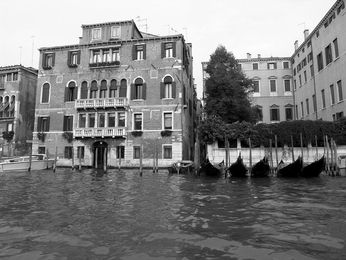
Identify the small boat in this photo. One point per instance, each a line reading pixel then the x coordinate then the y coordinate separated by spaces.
pixel 211 169
pixel 261 169
pixel 22 163
pixel 238 169
pixel 290 170
pixel 314 169
pixel 184 166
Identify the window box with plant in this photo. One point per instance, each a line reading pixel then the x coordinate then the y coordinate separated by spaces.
pixel 41 136
pixel 137 133
pixel 68 136
pixel 166 133
pixel 8 136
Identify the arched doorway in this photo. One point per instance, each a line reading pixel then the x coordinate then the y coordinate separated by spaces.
pixel 100 154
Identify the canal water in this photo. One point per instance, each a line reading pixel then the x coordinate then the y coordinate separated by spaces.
pixel 122 215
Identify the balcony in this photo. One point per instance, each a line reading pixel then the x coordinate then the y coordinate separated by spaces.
pixel 99 132
pixel 101 103
pixel 96 65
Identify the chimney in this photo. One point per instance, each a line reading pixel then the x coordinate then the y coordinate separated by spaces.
pixel 306 34
pixel 248 56
pixel 259 56
pixel 296 45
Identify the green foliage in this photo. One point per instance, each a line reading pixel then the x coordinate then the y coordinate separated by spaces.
pixel 214 129
pixel 137 133
pixel 166 133
pixel 8 136
pixel 41 136
pixel 227 89
pixel 68 136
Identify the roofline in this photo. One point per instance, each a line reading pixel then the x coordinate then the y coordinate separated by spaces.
pixel 119 42
pixel 14 67
pixel 106 23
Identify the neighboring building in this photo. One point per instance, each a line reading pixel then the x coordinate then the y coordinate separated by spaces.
pixel 125 97
pixel 17 107
pixel 319 68
pixel 272 86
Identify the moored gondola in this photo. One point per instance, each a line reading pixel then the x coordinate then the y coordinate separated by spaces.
pixel 292 169
pixel 314 169
pixel 238 169
pixel 261 168
pixel 210 169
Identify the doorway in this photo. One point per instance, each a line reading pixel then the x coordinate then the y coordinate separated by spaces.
pixel 100 154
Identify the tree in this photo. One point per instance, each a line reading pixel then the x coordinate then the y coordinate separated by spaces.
pixel 227 89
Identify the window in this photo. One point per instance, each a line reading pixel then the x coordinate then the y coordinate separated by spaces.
pixel 305 76
pixel 255 66
pixel 307 107
pixel 96 34
pixel 68 123
pixel 272 85
pixel 68 153
pixel 274 113
pixel 80 152
pixel 340 90
pixel 121 119
pixel 339 115
pixel 115 32
pixel 287 83
pixel 328 53
pixel 15 76
pixel 302 108
pixel 106 56
pixel 73 58
pixel 310 57
pixel 136 152
pixel 139 52
pixel 45 93
pixel 43 124
pixel 123 88
pixel 323 99
pixel 336 48
pixel 42 150
pixel 256 86
pixel 137 118
pixel 111 119
pixel 93 89
pixel 95 56
pixel 300 80
pixel 259 113
pixel 286 65
pixel 332 95
pixel 289 113
pixel 48 60
pixel 314 102
pixel 103 89
pixel 84 90
pixel 113 89
pixel 295 84
pixel 168 50
pixel 239 66
pixel 138 90
pixel 320 61
pixel 120 152
pixel 91 120
pixel 167 152
pixel 82 120
pixel 312 70
pixel 101 120
pixel 167 88
pixel 71 92
pixel 271 65
pixel 115 55
pixel 168 121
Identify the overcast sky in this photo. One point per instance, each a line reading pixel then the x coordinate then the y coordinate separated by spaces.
pixel 266 27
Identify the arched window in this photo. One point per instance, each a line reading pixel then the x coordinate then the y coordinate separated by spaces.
pixel 93 89
pixel 113 88
pixel 103 89
pixel 71 92
pixel 45 93
pixel 167 88
pixel 123 88
pixel 138 90
pixel 84 90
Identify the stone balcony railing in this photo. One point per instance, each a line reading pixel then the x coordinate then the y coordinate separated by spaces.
pixel 99 132
pixel 101 103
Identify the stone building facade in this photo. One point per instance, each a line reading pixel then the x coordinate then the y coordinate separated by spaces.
pixel 116 97
pixel 17 108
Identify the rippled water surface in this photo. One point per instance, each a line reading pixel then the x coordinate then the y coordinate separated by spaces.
pixel 122 215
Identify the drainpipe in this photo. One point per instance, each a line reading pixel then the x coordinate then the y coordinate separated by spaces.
pixel 182 96
pixel 314 102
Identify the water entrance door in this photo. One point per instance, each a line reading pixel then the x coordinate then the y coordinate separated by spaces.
pixel 100 154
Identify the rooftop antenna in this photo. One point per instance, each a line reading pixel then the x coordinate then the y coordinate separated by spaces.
pixel 176 32
pixel 139 20
pixel 32 52
pixel 20 56
pixel 168 28
pixel 185 32
pixel 304 25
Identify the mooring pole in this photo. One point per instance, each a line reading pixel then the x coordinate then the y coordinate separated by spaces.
pixel 80 158
pixel 30 158
pixel 276 151
pixel 250 159
pixel 271 155
pixel 292 145
pixel 301 145
pixel 140 161
pixel 55 158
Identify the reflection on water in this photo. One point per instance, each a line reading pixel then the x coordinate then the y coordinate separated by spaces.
pixel 122 215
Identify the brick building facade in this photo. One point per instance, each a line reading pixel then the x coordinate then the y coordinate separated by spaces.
pixel 116 96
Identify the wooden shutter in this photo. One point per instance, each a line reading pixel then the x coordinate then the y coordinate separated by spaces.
pixel 64 126
pixel 39 123
pixel 163 50
pixel 174 49
pixel 48 121
pixel 133 91
pixel 174 90
pixel 162 90
pixel 53 59
pixel 43 60
pixel 75 91
pixel 134 52
pixel 144 51
pixel 66 94
pixel 144 91
pixel 68 58
pixel 78 56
